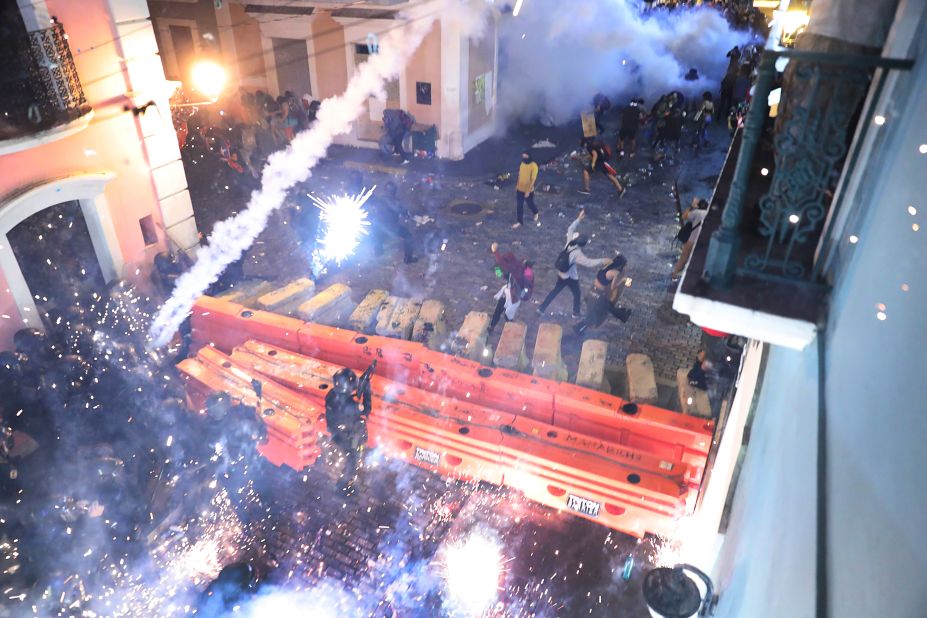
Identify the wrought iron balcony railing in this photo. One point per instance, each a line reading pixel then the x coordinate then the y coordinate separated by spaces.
pixel 39 86
pixel 782 186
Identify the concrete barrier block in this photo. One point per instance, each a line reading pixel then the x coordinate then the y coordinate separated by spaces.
pixel 510 351
pixel 693 401
pixel 385 314
pixel 331 306
pixel 246 292
pixel 364 317
pixel 431 325
pixel 470 341
pixel 546 360
pixel 288 298
pixel 402 320
pixel 642 381
pixel 591 371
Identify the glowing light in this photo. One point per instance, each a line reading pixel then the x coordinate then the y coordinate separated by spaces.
pixel 764 172
pixel 912 210
pixel 792 21
pixel 915 227
pixel 473 569
pixel 881 315
pixel 922 149
pixel 209 78
pixel 854 239
pixel 905 287
pixel 793 218
pixel 879 120
pixel 517 8
pixel 344 221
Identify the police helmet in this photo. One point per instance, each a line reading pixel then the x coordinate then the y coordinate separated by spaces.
pixel 344 381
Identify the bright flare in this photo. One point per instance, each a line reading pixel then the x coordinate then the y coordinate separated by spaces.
pixel 473 568
pixel 208 78
pixel 344 221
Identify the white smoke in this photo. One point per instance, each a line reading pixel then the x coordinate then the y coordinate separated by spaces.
pixel 232 237
pixel 557 55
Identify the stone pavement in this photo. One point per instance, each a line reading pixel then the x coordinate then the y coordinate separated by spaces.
pixel 458 218
pixel 383 546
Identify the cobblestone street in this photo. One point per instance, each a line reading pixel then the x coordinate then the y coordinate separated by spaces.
pixel 465 213
pixel 372 546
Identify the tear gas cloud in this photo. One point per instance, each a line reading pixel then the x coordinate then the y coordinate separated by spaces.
pixel 555 56
pixel 232 237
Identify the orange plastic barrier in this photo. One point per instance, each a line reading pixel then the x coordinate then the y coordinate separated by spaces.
pixel 632 467
pixel 565 405
pixel 638 490
pixel 289 418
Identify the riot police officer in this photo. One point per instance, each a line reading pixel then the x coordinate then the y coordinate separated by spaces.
pixel 347 407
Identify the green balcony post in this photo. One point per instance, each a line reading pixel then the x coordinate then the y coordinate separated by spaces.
pixel 724 246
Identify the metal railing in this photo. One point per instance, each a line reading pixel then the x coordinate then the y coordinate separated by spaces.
pixel 818 110
pixel 39 85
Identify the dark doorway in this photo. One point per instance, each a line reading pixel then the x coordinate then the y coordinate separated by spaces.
pixel 291 57
pixel 184 50
pixel 56 256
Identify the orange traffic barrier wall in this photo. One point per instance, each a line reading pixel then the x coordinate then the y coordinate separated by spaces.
pixel 562 445
pixel 561 404
pixel 460 439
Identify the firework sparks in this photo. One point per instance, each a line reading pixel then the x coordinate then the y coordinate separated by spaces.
pixel 344 221
pixel 473 569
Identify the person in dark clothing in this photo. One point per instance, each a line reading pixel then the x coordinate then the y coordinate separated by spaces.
pixel 519 276
pixel 673 131
pixel 347 407
pixel 598 162
pixel 727 94
pixel 389 222
pixel 609 283
pixel 396 125
pixel 698 375
pixel 601 105
pixel 631 118
pixel 733 59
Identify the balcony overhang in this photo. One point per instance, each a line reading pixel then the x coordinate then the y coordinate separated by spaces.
pixel 55 133
pixel 776 311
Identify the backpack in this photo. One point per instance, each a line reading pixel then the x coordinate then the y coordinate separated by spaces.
pixel 686 232
pixel 562 263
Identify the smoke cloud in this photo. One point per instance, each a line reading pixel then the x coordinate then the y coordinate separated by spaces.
pixel 557 55
pixel 232 237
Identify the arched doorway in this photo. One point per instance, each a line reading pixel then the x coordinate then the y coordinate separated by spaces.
pixel 81 191
pixel 55 254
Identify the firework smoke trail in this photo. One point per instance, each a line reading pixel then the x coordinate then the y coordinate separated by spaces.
pixel 232 237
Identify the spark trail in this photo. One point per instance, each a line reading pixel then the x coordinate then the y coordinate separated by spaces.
pixel 232 237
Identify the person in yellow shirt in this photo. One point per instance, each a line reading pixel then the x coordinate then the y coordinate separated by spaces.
pixel 524 190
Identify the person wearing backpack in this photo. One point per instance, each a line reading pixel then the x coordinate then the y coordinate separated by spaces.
pixel 599 154
pixel 566 262
pixel 692 220
pixel 519 283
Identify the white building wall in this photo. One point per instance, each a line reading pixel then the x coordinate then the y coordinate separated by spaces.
pixel 876 351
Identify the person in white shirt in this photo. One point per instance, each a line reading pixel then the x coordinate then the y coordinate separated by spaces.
pixel 694 216
pixel 567 273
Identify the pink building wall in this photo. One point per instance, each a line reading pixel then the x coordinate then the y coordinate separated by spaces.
pixel 142 152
